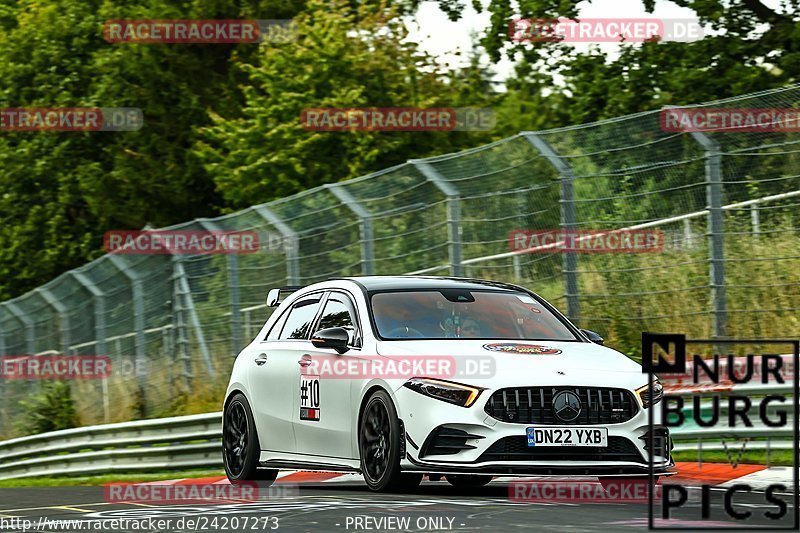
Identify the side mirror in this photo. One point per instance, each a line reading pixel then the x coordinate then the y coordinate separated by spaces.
pixel 272 297
pixel 335 338
pixel 592 336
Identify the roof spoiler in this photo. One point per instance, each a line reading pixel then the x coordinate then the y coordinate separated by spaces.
pixel 274 295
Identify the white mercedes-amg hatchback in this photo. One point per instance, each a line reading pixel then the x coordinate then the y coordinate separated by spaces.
pixel 396 377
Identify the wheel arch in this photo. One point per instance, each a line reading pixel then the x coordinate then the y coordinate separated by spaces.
pixel 231 393
pixel 368 392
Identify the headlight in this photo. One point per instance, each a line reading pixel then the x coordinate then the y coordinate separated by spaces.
pixel 447 391
pixel 644 394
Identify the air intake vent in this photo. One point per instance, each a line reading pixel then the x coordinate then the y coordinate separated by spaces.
pixel 662 443
pixel 447 441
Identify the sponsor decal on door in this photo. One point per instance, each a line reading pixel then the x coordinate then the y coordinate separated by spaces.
pixel 309 398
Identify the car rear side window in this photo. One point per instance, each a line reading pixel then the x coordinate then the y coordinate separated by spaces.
pixel 300 318
pixel 277 327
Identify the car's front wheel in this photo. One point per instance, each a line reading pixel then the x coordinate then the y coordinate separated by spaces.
pixel 240 447
pixel 379 446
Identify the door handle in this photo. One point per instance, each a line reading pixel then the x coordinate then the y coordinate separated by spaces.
pixel 304 361
pixel 261 359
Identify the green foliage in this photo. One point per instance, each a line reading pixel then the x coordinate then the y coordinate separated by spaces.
pixel 50 410
pixel 222 128
pixel 59 192
pixel 342 59
pixel 751 47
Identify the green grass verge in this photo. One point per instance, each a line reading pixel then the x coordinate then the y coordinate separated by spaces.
pixel 754 457
pixel 64 481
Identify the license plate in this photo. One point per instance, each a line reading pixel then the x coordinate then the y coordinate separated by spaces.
pixel 567 436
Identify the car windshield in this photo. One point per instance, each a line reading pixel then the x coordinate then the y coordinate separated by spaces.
pixel 464 314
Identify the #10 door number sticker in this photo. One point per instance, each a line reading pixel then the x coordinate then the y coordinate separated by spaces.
pixel 309 398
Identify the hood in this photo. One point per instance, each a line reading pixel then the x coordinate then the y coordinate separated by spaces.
pixel 528 363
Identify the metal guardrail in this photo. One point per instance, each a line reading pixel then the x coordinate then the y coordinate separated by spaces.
pixel 194 442
pixel 178 442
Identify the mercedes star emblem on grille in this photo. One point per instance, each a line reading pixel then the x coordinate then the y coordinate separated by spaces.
pixel 566 406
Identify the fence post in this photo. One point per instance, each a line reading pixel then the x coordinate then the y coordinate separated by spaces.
pixel 186 302
pixel 233 288
pixel 236 304
pixel 27 323
pixel 181 337
pixel 367 237
pixel 755 220
pixel 63 316
pixel 99 301
pixel 453 211
pixel 568 223
pixel 516 260
pixel 137 295
pixel 99 310
pixel 716 238
pixel 688 237
pixel 291 243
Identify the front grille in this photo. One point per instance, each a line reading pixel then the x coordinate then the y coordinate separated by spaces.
pixel 534 405
pixel 515 448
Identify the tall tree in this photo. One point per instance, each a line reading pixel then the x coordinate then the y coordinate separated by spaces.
pixel 59 192
pixel 751 47
pixel 343 59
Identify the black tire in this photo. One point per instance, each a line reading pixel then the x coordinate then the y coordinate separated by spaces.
pixel 468 480
pixel 240 446
pixel 379 447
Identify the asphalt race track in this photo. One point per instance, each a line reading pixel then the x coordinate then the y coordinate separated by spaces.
pixel 348 506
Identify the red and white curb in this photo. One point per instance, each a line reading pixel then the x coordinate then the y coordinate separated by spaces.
pixel 762 479
pixel 757 476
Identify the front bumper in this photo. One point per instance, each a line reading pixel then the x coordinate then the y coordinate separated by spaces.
pixel 491 446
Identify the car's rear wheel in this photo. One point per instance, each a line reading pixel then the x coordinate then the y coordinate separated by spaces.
pixel 379 446
pixel 240 447
pixel 468 480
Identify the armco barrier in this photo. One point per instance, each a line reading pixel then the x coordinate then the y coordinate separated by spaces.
pixel 165 443
pixel 194 441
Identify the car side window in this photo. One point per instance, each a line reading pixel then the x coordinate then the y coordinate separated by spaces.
pixel 339 313
pixel 277 327
pixel 300 318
